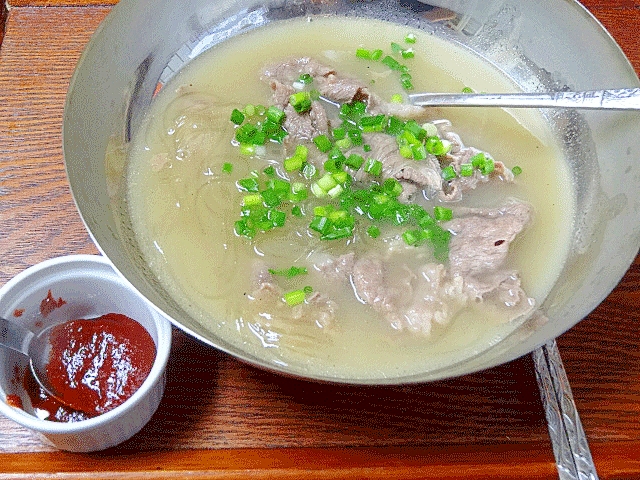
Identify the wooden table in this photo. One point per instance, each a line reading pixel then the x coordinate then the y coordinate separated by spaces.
pixel 222 419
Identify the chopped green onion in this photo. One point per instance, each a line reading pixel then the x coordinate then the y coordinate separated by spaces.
pixel 269 171
pixel 289 272
pixel 366 147
pixel 516 170
pixel 341 177
pixel 410 38
pixel 478 160
pixel 396 98
pixel 301 101
pixel 227 167
pixel 373 231
pixel 249 110
pixel 448 173
pixel 332 165
pixel 248 185
pixel 327 182
pixel 275 114
pixel 270 198
pixel 307 289
pixel 375 123
pixel 466 170
pixel 252 200
pixel 412 237
pixel 339 133
pixel 344 143
pixel 372 166
pixel 295 297
pixel 309 171
pixel 363 53
pixel 296 211
pixel 296 161
pixel 467 90
pixel 305 78
pixel 408 53
pixel 392 187
pixel 430 129
pixel 320 224
pixel 355 135
pixel 392 63
pixel 237 116
pixel 395 126
pixel 395 48
pixel 323 143
pixel 442 214
pixel 376 54
pixel 488 167
pixel 354 161
pixel 298 192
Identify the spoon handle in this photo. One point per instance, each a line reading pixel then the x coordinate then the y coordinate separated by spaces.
pixel 620 99
pixel 14 336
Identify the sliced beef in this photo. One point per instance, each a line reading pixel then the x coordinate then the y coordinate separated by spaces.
pixel 481 237
pixel 431 296
pixel 289 71
pixel 413 175
pixel 334 268
pixel 368 279
pixel 476 273
pixel 452 191
pixel 306 126
pixel 266 296
pixel 438 297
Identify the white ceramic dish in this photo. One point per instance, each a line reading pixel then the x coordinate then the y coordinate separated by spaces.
pixel 90 287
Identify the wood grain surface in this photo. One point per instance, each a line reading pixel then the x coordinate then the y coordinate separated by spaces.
pixel 223 419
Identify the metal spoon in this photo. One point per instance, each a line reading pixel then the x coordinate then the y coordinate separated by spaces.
pixel 36 347
pixel 620 99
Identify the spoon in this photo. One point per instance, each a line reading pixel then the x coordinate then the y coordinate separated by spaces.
pixel 36 347
pixel 620 99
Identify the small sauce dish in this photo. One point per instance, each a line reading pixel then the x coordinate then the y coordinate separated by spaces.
pixel 72 288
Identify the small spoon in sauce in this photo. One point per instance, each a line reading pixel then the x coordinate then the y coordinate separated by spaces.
pixel 620 99
pixel 89 365
pixel 36 347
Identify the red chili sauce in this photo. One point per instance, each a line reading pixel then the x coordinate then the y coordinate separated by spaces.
pixel 49 304
pixel 94 366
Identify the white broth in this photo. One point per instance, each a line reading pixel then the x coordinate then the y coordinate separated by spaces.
pixel 183 205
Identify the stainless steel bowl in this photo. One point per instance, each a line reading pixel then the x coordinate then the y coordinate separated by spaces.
pixel 543 45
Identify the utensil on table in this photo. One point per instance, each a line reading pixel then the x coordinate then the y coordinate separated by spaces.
pixel 35 346
pixel 619 99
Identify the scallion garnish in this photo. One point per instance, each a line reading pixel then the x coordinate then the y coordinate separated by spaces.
pixel 301 101
pixel 323 143
pixel 466 170
pixel 448 173
pixel 442 214
pixel 237 116
pixel 373 167
pixel 227 167
pixel 289 272
pixel 295 297
pixel 516 170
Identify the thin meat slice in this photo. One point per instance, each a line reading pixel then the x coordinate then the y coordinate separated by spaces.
pixel 481 236
pixel 424 175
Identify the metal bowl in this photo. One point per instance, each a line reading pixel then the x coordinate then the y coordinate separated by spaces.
pixel 543 45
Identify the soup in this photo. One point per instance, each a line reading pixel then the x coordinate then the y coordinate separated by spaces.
pixel 357 236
